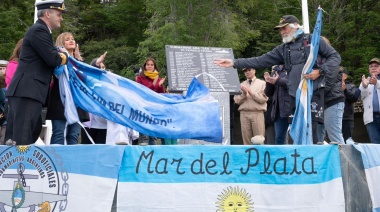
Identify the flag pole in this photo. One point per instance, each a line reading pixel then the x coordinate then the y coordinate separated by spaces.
pixel 305 17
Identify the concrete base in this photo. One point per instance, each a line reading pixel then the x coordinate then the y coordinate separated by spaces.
pixel 356 192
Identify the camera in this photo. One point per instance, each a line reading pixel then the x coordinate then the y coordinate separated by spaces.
pixel 277 68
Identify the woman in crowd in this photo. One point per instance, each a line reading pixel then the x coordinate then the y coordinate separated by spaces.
pixel 9 72
pixel 55 111
pixel 149 77
pixel 13 63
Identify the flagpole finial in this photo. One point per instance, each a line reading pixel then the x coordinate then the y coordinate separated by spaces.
pixel 320 8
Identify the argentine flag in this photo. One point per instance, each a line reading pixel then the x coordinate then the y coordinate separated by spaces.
pixel 234 178
pixel 59 178
pixel 301 128
pixel 120 100
pixel 370 155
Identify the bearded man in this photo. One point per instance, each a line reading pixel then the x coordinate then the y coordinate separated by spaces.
pixel 293 53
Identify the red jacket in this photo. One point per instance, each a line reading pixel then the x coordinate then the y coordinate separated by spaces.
pixel 149 83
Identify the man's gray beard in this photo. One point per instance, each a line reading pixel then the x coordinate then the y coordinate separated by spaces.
pixel 288 38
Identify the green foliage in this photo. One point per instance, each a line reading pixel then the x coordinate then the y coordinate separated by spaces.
pixel 13 25
pixel 132 30
pixel 192 23
pixel 118 56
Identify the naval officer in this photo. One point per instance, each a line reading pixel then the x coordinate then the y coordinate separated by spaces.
pixel 28 90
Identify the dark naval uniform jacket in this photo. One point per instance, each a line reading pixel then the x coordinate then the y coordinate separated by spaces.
pixel 38 59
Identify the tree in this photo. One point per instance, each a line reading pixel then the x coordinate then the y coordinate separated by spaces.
pixel 192 23
pixel 132 30
pixel 116 27
pixel 16 17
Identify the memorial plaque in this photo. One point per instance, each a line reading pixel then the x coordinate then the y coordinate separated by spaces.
pixel 186 62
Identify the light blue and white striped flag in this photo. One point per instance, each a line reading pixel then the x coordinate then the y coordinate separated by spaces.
pixel 370 155
pixel 301 127
pixel 235 178
pixel 120 100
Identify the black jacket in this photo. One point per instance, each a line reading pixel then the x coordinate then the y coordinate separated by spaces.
pixel 280 96
pixel 352 94
pixel 332 84
pixel 294 55
pixel 335 94
pixel 56 110
pixel 38 59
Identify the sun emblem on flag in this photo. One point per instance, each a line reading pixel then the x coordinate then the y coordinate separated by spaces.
pixel 22 149
pixel 234 199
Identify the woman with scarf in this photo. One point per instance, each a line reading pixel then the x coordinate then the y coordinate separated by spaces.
pixel 149 78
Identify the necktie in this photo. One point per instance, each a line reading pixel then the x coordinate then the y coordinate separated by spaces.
pixel 375 100
pixel 250 81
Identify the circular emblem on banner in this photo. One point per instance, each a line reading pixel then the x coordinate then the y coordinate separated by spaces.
pixel 32 177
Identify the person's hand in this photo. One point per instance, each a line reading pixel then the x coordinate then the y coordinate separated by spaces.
pixel 77 53
pixel 224 62
pixel 373 79
pixel 273 80
pixel 162 81
pixel 313 75
pixel 269 79
pixel 365 81
pixel 245 89
pixel 101 59
pixel 62 49
pixel 155 81
pixel 266 75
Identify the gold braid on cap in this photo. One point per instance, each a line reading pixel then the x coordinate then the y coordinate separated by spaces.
pixel 64 58
pixel 59 8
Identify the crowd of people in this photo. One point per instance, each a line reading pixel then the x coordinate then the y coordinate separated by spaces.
pixel 331 107
pixel 30 86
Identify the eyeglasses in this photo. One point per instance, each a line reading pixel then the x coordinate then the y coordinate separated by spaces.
pixel 374 66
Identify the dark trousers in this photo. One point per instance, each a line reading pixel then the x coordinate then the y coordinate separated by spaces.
pixel 98 135
pixel 24 121
pixel 347 129
pixel 373 129
pixel 281 126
